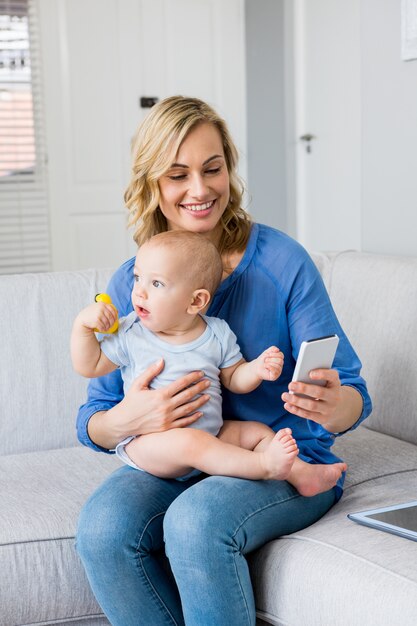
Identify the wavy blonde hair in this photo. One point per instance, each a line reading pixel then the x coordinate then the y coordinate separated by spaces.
pixel 155 146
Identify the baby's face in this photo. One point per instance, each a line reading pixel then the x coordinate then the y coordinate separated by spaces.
pixel 160 294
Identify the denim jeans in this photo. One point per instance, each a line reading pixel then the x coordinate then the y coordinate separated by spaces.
pixel 208 525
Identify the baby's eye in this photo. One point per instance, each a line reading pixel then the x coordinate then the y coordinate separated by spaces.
pixel 136 278
pixel 157 283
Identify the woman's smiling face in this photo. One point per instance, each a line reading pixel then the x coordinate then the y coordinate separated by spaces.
pixel 195 191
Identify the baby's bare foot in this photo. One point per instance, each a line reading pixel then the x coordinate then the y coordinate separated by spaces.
pixel 280 455
pixel 309 479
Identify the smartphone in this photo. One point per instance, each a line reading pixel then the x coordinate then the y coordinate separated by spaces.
pixel 315 354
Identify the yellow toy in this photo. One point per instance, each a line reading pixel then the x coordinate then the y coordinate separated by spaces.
pixel 104 297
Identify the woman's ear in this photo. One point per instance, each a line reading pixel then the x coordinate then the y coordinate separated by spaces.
pixel 199 302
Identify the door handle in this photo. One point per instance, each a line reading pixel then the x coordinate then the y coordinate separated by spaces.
pixel 308 138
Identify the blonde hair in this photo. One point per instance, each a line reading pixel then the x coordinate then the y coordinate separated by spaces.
pixel 156 143
pixel 202 263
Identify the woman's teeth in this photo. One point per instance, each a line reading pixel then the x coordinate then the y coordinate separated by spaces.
pixel 199 207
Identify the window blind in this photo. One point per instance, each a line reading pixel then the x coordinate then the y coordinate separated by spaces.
pixel 24 222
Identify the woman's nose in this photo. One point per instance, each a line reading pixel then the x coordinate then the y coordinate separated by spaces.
pixel 199 188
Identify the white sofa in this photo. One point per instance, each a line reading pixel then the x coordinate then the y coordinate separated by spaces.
pixel 334 573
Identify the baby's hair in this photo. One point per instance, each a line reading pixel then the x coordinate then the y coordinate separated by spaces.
pixel 202 262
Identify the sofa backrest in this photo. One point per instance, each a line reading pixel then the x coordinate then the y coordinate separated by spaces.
pixel 375 298
pixel 39 391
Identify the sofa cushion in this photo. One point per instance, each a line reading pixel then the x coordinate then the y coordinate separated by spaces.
pixel 346 573
pixel 370 455
pixel 375 298
pixel 42 494
pixel 36 312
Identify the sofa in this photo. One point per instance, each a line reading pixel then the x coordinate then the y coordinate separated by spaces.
pixel 334 573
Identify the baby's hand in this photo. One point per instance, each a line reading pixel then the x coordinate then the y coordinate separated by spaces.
pixel 270 364
pixel 98 316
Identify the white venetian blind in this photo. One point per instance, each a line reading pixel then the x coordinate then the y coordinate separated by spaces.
pixel 24 224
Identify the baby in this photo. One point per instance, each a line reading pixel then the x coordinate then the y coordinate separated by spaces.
pixel 175 274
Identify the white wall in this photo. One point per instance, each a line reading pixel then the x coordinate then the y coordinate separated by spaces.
pixel 327 97
pixel 389 133
pixel 99 58
pixel 382 217
pixel 265 95
pixel 356 93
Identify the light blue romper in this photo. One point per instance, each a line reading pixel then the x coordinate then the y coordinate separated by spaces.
pixel 133 348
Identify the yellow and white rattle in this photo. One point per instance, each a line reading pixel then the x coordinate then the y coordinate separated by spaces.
pixel 104 297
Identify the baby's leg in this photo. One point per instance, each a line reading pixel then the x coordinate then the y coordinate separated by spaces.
pixel 155 453
pixel 175 452
pixel 248 435
pixel 278 450
pixel 310 479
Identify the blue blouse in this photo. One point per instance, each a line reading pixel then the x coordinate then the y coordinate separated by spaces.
pixel 275 296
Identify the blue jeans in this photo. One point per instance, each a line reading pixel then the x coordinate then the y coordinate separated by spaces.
pixel 208 524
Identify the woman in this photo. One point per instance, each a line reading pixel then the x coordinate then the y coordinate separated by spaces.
pixel 184 177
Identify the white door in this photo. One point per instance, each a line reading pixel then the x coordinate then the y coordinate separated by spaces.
pixel 99 59
pixel 327 107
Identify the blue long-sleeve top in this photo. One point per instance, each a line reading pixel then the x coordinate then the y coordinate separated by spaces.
pixel 275 296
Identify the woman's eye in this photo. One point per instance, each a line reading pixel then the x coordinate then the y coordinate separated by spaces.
pixel 214 170
pixel 177 177
pixel 157 283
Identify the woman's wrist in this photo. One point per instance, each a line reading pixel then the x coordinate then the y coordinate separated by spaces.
pixel 104 428
pixel 349 411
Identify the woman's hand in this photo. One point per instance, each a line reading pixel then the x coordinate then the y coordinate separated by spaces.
pixel 334 406
pixel 144 410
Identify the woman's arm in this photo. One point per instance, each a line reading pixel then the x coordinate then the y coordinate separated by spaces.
pixel 145 410
pixel 344 402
